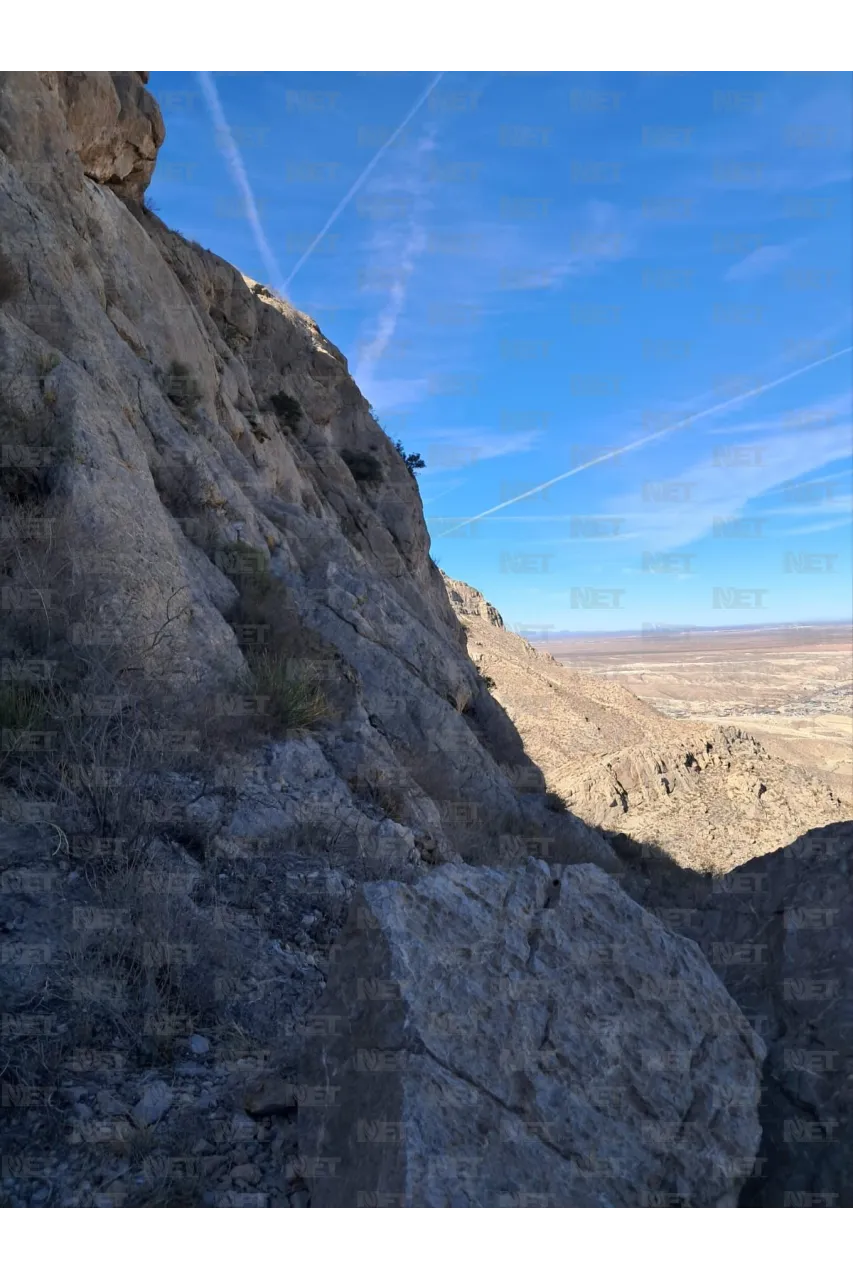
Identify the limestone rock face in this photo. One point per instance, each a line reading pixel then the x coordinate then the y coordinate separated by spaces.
pixel 468 602
pixel 164 475
pixel 509 1034
pixel 106 118
pixel 116 125
pixel 519 1038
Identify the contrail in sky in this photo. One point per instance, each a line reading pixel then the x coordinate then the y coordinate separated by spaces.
pixel 657 435
pixel 359 182
pixel 234 160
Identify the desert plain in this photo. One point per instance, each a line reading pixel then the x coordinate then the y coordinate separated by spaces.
pixel 792 687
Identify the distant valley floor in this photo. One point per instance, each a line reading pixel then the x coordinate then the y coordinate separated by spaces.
pixel 791 687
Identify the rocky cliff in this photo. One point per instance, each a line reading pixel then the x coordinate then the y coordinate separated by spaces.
pixel 209 432
pixel 247 759
pixel 233 685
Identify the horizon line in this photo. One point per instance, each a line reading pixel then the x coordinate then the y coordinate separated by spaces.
pixel 664 629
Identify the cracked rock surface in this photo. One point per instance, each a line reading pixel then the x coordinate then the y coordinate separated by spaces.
pixel 520 1038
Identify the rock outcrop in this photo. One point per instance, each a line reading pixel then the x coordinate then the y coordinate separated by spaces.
pixel 778 931
pixel 468 602
pixel 519 1038
pixel 112 125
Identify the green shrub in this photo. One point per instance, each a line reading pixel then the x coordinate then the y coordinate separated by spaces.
pixel 382 792
pixel 287 410
pixel 263 616
pixel 181 387
pixel 289 691
pixel 287 662
pixel 47 363
pixel 365 468
pixel 413 461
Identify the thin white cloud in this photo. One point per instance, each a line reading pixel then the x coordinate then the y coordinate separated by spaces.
pixel 386 323
pixel 660 435
pixel 398 261
pixel 234 160
pixel 759 263
pixel 843 474
pixel 540 518
pixel 454 448
pixel 800 421
pixel 825 500
pixel 769 137
pixel 451 488
pixel 362 178
pixel 825 483
pixel 508 267
pixel 392 394
pixel 822 526
pixel 587 538
pixel 609 234
pixel 518 260
pixel 710 492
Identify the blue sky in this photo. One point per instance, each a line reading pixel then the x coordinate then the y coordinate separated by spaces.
pixel 527 271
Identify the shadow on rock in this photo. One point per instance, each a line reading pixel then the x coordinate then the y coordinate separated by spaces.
pixel 778 931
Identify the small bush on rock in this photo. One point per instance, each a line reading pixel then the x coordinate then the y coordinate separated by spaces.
pixel 365 468
pixel 35 445
pixel 24 708
pixel 287 410
pixel 290 693
pixel 181 387
pixel 286 681
pixel 382 792
pixel 414 462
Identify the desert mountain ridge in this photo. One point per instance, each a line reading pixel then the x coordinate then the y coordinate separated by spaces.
pixel 710 796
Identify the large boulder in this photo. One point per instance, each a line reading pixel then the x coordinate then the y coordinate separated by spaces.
pixel 524 1037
